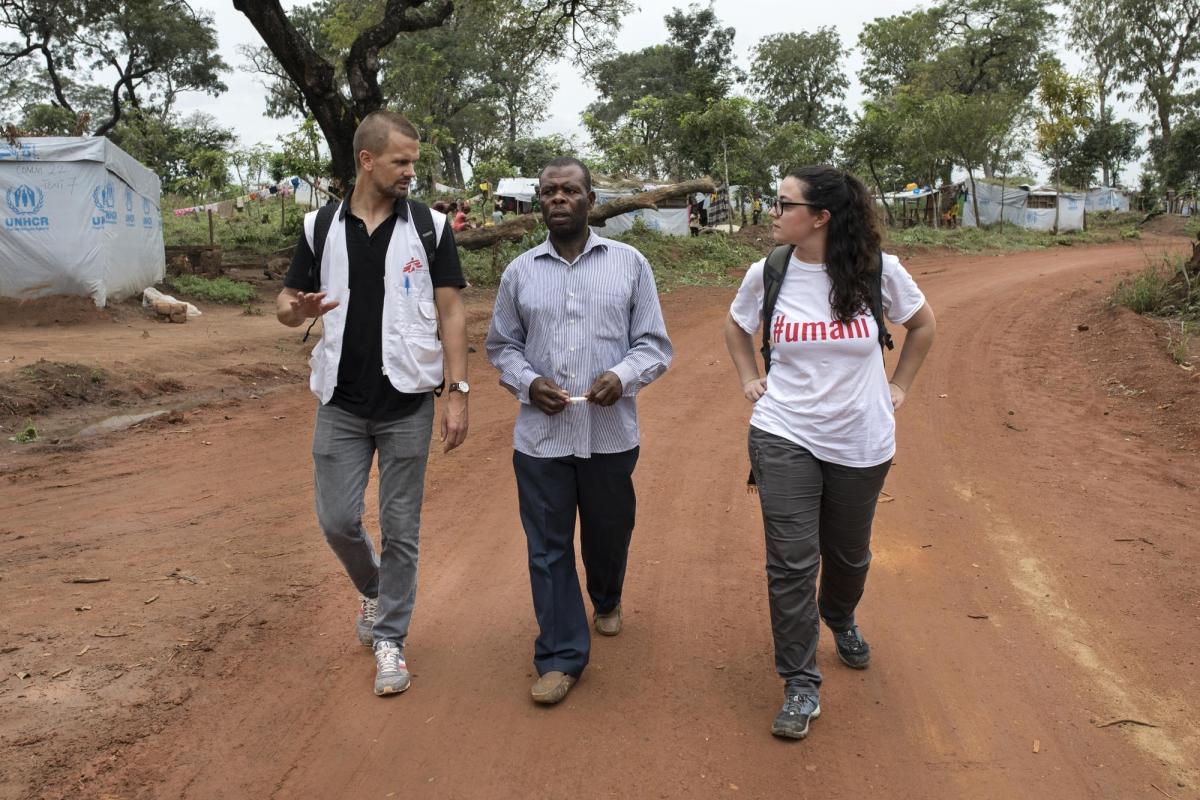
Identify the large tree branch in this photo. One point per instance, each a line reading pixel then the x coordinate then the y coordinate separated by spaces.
pixel 649 199
pixel 111 122
pixel 362 62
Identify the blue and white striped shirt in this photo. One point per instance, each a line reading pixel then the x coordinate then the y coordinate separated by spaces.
pixel 571 322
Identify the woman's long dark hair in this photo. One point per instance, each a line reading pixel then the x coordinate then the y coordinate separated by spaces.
pixel 852 241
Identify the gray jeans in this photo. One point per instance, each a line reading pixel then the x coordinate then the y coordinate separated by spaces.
pixel 344 446
pixel 816 515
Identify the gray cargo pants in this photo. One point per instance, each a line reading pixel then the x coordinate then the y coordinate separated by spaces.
pixel 816 515
pixel 344 446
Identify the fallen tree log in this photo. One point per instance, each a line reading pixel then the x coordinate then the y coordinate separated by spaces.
pixel 650 199
pixel 513 230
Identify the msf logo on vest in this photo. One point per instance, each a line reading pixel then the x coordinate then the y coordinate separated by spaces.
pixel 25 202
pixel 105 199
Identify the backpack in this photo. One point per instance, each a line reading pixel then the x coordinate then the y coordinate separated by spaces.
pixel 421 217
pixel 774 272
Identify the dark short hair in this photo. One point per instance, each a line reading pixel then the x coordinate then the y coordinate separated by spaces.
pixel 372 133
pixel 569 161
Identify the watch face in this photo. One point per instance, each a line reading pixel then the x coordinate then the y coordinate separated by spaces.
pixel 461 386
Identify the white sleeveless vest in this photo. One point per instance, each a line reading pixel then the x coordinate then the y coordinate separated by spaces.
pixel 412 352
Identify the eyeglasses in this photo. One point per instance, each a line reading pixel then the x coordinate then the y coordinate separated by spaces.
pixel 782 205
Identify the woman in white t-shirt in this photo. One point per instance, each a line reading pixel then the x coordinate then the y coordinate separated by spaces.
pixel 822 433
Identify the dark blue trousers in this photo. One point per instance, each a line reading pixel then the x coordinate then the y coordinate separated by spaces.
pixel 551 492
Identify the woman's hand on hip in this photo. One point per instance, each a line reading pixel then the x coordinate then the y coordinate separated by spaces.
pixel 754 389
pixel 898 396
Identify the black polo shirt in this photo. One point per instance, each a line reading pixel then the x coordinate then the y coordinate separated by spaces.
pixel 362 387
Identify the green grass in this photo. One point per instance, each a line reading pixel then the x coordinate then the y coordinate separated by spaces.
pixel 1145 292
pixel 1162 289
pixel 993 239
pixel 257 228
pixel 692 260
pixel 214 290
pixel 27 434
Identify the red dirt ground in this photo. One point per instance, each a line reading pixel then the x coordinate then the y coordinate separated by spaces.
pixel 1033 605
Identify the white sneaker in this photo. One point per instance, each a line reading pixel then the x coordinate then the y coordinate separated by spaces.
pixel 365 624
pixel 391 673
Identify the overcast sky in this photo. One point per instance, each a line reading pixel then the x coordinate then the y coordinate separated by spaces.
pixel 242 106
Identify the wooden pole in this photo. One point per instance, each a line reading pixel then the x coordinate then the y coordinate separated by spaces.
pixel 282 213
pixel 211 239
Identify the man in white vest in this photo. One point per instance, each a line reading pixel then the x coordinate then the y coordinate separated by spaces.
pixel 382 272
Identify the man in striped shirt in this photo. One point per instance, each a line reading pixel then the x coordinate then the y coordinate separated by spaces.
pixel 577 331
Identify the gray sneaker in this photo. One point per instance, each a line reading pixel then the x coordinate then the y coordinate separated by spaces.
pixel 365 625
pixel 798 710
pixel 391 673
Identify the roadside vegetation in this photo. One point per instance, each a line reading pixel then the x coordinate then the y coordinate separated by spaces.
pixel 257 229
pixel 1102 229
pixel 214 290
pixel 1169 291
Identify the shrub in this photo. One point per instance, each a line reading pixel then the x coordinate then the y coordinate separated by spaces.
pixel 1145 292
pixel 214 290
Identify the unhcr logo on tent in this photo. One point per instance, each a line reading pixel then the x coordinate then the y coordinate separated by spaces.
pixel 18 152
pixel 25 202
pixel 147 217
pixel 105 199
pixel 130 219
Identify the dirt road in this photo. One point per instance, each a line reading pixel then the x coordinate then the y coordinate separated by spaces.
pixel 1033 606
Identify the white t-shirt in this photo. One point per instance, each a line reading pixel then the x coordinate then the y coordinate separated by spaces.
pixel 827 390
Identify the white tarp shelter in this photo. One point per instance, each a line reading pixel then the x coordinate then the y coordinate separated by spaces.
pixel 1106 198
pixel 520 189
pixel 671 221
pixel 1032 209
pixel 81 217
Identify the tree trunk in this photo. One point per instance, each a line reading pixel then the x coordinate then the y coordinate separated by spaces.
pixel 1057 193
pixel 975 197
pixel 886 208
pixel 1101 91
pixel 316 78
pixel 1003 192
pixel 511 230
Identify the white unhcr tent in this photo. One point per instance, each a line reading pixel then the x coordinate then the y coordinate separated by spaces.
pixel 1106 198
pixel 1023 207
pixel 81 217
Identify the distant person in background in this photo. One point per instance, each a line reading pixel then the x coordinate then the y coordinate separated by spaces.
pixel 441 207
pixel 823 428
pixel 460 217
pixel 756 209
pixel 498 212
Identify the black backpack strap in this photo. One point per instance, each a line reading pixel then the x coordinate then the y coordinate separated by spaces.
pixel 321 226
pixel 422 217
pixel 774 271
pixel 885 338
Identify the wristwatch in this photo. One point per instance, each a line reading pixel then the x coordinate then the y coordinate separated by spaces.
pixel 459 386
